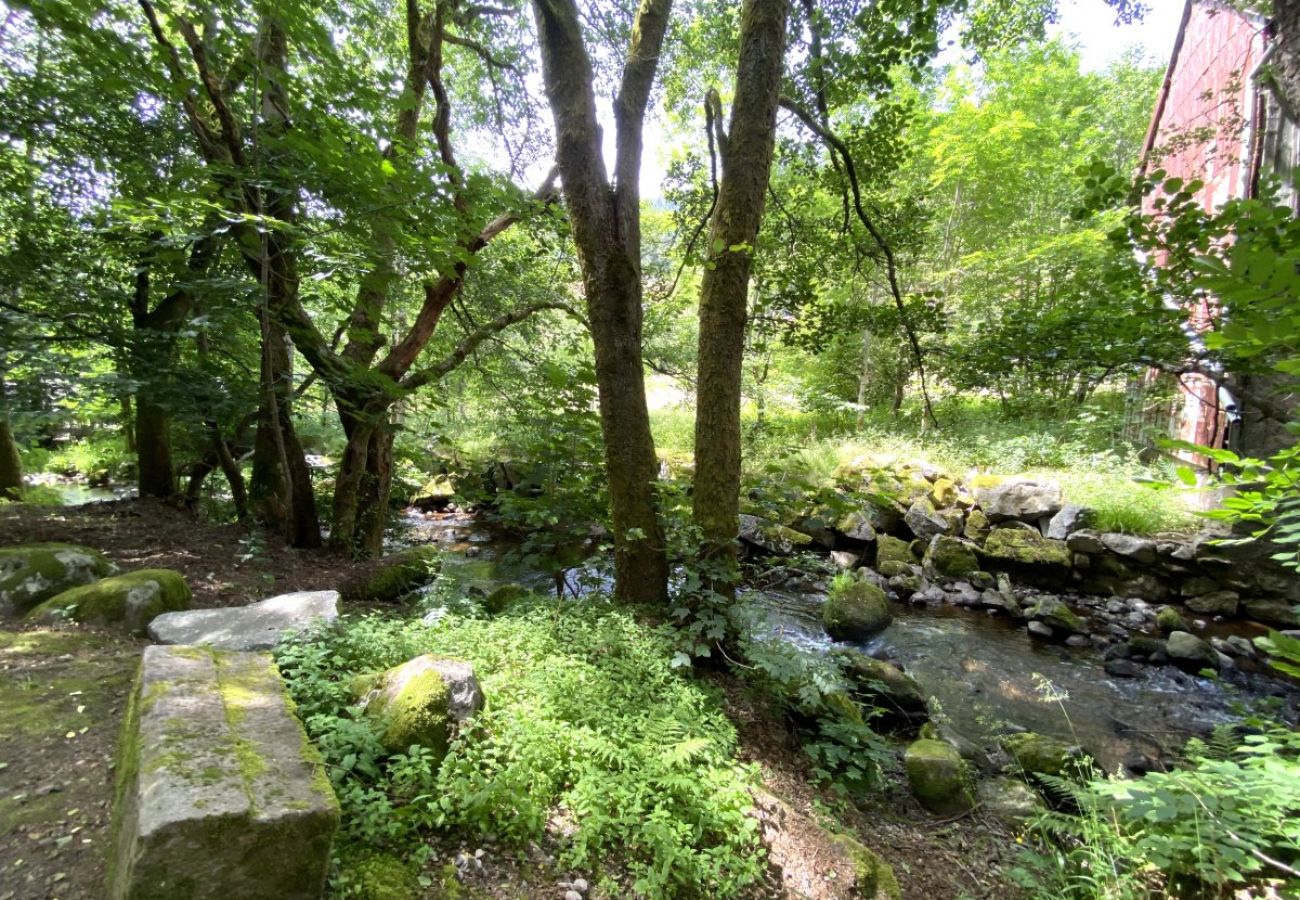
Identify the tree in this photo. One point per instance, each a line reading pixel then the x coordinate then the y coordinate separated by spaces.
pixel 745 150
pixel 605 218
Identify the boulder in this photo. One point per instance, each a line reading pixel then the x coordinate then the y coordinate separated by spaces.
pixel 503 597
pixel 943 492
pixel 855 611
pixel 1038 754
pixel 977 526
pixel 845 560
pixel 1029 555
pixel 872 877
pixel 939 778
pixel 219 792
pixel 1010 800
pixel 892 549
pixel 1140 550
pixel 771 537
pixel 1027 501
pixel 1190 653
pixel 1085 542
pixel 132 600
pixel 1056 613
pixel 30 574
pixel 1272 610
pixel 949 557
pixel 1215 603
pixel 857 527
pixel 1168 620
pixel 391 578
pixel 416 702
pixel 258 626
pixel 924 521
pixel 886 686
pixel 1070 518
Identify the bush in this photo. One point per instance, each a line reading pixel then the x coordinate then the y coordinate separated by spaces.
pixel 586 720
pixel 1229 816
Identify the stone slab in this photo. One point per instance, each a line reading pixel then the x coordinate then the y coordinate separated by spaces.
pixel 258 626
pixel 219 792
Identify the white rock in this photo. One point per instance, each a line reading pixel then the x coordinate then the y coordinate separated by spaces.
pixel 258 626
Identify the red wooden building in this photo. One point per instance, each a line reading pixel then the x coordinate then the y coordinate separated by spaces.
pixel 1220 118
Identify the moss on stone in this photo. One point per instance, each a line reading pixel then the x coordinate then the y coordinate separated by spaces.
pixel 891 689
pixel 417 713
pixel 1038 754
pixel 394 576
pixel 950 557
pixel 977 526
pixel 132 600
pixel 1168 620
pixel 855 611
pixel 873 878
pixel 938 776
pixel 503 597
pixel 943 492
pixel 30 574
pixel 1023 547
pixel 890 548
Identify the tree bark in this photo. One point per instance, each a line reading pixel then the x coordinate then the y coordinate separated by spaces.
pixel 605 220
pixel 746 163
pixel 11 463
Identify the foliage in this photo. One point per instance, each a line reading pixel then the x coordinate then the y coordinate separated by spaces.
pixel 586 721
pixel 1227 816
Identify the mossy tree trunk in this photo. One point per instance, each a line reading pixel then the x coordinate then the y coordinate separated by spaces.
pixel 746 152
pixel 11 463
pixel 605 219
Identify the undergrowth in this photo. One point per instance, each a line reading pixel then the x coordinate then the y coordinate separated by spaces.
pixel 586 721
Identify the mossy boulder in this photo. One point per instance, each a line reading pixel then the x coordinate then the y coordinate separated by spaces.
pixel 30 574
pixel 943 492
pixel 1038 754
pixel 950 557
pixel 772 537
pixel 1054 612
pixel 977 526
pixel 419 701
pixel 892 549
pixel 1191 653
pixel 1215 603
pixel 873 878
pixel 131 600
pixel 1026 553
pixel 393 577
pixel 885 686
pixel 939 777
pixel 1169 620
pixel 380 876
pixel 502 597
pixel 855 611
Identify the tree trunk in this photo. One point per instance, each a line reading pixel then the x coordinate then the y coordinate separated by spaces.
pixel 153 446
pixel 606 230
pixel 280 491
pixel 746 162
pixel 11 463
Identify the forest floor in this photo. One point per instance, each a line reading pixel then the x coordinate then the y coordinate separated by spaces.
pixel 63 692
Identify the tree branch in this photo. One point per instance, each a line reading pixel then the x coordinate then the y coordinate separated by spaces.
pixel 891 267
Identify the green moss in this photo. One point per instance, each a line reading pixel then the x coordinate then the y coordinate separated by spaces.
pixel 30 574
pixel 1168 620
pixel 889 687
pixel 380 876
pixel 1037 754
pixel 132 599
pixel 873 878
pixel 950 557
pixel 394 576
pixel 890 548
pixel 855 610
pixel 939 777
pixel 417 714
pixel 1024 547
pixel 503 597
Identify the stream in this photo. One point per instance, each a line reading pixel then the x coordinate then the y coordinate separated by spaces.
pixel 987 675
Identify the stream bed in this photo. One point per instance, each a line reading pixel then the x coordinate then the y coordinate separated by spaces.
pixel 986 674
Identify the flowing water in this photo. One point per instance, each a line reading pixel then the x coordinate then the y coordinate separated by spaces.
pixel 986 674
